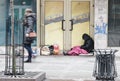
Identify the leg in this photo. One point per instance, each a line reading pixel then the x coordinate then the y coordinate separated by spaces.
pixel 29 49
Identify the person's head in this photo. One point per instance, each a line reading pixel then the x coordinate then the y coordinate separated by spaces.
pixel 28 10
pixel 85 36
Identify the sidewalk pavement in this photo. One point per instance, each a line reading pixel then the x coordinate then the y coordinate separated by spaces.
pixel 63 68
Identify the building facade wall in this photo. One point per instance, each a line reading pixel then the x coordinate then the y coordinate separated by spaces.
pixel 2 21
pixel 101 23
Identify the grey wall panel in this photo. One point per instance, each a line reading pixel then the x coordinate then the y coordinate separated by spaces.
pixel 2 21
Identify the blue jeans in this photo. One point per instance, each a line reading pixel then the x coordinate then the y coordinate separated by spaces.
pixel 29 49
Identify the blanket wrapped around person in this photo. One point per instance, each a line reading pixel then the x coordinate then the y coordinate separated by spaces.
pixel 86 48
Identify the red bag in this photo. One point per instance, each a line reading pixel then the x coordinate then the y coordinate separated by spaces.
pixel 32 34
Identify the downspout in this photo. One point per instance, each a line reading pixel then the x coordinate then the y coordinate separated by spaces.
pixel 38 22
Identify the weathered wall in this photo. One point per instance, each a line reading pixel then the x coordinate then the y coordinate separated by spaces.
pixel 101 23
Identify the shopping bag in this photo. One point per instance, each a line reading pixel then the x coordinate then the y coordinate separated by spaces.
pixel 45 50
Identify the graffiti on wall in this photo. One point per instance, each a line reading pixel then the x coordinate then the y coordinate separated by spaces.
pixel 101 17
pixel 101 6
pixel 101 24
pixel 101 27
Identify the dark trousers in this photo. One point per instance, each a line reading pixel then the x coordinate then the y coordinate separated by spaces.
pixel 29 49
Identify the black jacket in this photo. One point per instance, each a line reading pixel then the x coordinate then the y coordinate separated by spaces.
pixel 29 20
pixel 28 23
pixel 28 40
pixel 88 43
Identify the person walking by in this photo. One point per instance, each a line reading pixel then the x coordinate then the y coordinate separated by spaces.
pixel 28 24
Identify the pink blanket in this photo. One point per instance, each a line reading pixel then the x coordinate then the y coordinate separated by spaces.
pixel 77 50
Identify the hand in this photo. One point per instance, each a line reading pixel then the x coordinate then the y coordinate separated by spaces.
pixel 27 35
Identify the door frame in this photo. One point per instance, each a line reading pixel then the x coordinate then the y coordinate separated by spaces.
pixel 66 24
pixel 67 35
pixel 42 26
pixel 20 8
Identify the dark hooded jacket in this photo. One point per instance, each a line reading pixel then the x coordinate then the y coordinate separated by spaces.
pixel 88 43
pixel 29 22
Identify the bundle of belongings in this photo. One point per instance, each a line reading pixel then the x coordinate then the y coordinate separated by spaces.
pixel 86 48
pixel 50 50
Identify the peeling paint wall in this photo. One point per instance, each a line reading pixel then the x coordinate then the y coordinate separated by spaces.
pixel 101 24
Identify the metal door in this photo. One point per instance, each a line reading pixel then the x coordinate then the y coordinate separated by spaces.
pixel 63 22
pixel 18 17
pixel 80 20
pixel 53 18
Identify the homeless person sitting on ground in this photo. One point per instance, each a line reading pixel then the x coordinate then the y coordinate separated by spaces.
pixel 86 48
